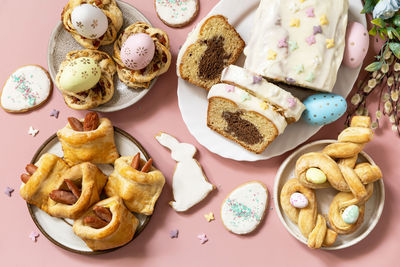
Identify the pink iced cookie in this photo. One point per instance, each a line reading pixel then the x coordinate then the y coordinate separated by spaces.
pixel 357 42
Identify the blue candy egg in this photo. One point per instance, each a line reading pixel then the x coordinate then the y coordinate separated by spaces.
pixel 322 109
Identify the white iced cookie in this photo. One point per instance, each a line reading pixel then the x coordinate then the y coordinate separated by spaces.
pixel 176 13
pixel 244 208
pixel 27 88
pixel 189 184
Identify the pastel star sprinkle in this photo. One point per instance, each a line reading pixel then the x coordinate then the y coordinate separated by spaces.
pixel 34 236
pixel 299 68
pixel 230 88
pixel 8 191
pixel 317 29
pixel 174 233
pixel 310 78
pixel 310 12
pixel 282 43
pixel 294 23
pixel 257 79
pixel 264 105
pixel 271 55
pixel 209 217
pixel 203 238
pixel 310 40
pixel 293 45
pixel 323 20
pixel 54 113
pixel 245 96
pixel 292 102
pixel 330 43
pixel 32 131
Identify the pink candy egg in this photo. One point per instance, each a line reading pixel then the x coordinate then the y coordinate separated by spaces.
pixel 137 51
pixel 357 42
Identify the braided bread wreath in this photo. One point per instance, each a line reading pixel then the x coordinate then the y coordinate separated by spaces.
pixel 109 8
pixel 338 163
pixel 159 64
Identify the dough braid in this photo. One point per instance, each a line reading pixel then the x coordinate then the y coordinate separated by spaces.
pixel 311 224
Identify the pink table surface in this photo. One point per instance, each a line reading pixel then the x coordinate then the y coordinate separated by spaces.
pixel 26 27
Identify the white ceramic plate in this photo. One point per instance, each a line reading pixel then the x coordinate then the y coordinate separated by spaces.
pixel 59 231
pixel 193 100
pixel 373 208
pixel 61 42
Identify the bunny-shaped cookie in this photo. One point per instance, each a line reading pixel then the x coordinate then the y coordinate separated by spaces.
pixel 189 185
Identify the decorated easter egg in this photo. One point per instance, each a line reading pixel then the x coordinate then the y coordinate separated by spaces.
pixel 315 176
pixel 323 109
pixel 298 200
pixel 357 43
pixel 350 214
pixel 80 75
pixel 89 21
pixel 137 51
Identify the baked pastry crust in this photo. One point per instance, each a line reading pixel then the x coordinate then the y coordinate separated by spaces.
pixel 139 190
pixel 119 231
pixel 159 65
pixel 44 180
pixel 96 146
pixel 109 8
pixel 92 180
pixel 102 92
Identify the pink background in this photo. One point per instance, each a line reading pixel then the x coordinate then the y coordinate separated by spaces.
pixel 26 27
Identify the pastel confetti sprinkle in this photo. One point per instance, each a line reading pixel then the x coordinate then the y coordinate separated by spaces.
pixel 242 211
pixel 34 236
pixel 245 96
pixel 203 238
pixel 310 12
pixel 32 131
pixel 310 40
pixel 310 78
pixel 230 88
pixel 294 23
pixel 293 45
pixel 330 43
pixel 292 102
pixel 290 80
pixel 25 88
pixel 8 191
pixel 209 217
pixel 323 20
pixel 257 79
pixel 174 233
pixel 317 29
pixel 54 113
pixel 299 69
pixel 271 55
pixel 264 105
pixel 282 43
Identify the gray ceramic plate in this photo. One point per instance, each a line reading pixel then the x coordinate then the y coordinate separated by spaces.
pixel 373 208
pixel 61 42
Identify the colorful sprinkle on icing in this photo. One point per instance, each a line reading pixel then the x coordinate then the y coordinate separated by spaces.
pixel 293 45
pixel 242 211
pixel 230 88
pixel 177 7
pixel 8 191
pixel 292 102
pixel 294 23
pixel 264 105
pixel 174 233
pixel 209 217
pixel 282 43
pixel 302 1
pixel 310 78
pixel 330 43
pixel 271 55
pixel 294 7
pixel 245 96
pixel 23 86
pixel 316 61
pixel 310 40
pixel 310 12
pixel 323 20
pixel 317 29
pixel 299 68
pixel 257 79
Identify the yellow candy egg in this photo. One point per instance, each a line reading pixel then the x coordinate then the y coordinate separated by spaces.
pixel 80 75
pixel 315 176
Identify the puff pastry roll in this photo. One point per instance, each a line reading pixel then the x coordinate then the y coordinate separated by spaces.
pixel 78 189
pixel 137 182
pixel 42 180
pixel 116 228
pixel 95 145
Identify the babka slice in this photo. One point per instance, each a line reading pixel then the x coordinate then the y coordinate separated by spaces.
pixel 209 48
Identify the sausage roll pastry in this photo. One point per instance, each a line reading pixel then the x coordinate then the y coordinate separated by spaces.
pixel 88 140
pixel 108 224
pixel 41 179
pixel 99 29
pixel 78 189
pixel 137 182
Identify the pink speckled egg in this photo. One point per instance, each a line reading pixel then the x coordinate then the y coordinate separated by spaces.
pixel 357 42
pixel 137 51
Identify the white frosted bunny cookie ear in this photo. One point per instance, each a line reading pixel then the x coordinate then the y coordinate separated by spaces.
pixel 189 185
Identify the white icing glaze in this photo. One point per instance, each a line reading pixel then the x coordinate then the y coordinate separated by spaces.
pixel 272 25
pixel 248 102
pixel 189 184
pixel 176 12
pixel 27 87
pixel 267 91
pixel 243 209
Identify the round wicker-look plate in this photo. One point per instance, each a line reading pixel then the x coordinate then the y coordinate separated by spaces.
pixel 59 231
pixel 373 207
pixel 61 42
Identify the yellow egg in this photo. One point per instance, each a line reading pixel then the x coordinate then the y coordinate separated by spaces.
pixel 315 176
pixel 80 75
